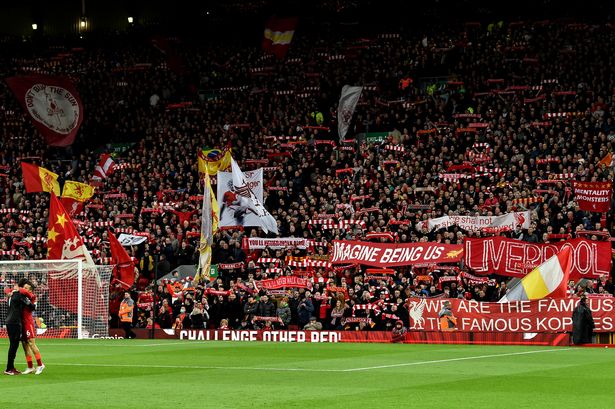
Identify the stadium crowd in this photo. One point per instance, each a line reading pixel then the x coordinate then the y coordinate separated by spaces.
pixel 155 113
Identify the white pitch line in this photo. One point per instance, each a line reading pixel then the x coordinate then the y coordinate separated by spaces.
pixel 466 358
pixel 254 368
pixel 238 368
pixel 79 345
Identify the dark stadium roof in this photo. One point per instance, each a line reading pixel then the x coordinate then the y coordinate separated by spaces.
pixel 62 16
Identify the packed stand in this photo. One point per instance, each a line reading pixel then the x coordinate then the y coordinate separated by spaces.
pixel 159 114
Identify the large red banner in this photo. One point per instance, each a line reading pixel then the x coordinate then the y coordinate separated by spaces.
pixel 545 315
pixel 53 105
pixel 391 255
pixel 593 196
pixel 515 258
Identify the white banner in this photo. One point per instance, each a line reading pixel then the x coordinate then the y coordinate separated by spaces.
pixel 257 243
pixel 348 101
pixel 474 223
pixel 130 240
pixel 241 200
pixel 254 179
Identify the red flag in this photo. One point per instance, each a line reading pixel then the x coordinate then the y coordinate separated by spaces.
pixel 65 243
pixel 104 168
pixel 124 270
pixel 608 161
pixel 278 35
pixel 74 207
pixel 593 196
pixel 53 104
pixel 63 240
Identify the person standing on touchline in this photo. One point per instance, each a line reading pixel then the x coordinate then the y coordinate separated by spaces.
pixel 16 303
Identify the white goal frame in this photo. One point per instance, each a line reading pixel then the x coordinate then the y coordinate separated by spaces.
pixel 78 265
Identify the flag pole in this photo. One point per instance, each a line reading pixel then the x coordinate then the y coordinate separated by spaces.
pixel 155 296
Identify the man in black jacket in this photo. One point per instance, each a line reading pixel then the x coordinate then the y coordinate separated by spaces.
pixel 582 323
pixel 16 303
pixel 265 307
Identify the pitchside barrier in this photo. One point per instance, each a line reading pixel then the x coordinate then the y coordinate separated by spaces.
pixel 298 336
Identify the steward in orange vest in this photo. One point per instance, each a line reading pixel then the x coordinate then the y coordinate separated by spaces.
pixel 448 322
pixel 126 313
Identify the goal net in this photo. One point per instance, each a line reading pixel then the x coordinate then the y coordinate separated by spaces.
pixel 72 299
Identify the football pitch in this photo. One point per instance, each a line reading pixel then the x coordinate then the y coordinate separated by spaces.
pixel 184 374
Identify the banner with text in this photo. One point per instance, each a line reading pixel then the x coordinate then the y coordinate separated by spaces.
pixel 474 223
pixel 412 337
pixel 391 255
pixel 515 258
pixel 545 315
pixel 53 105
pixel 282 282
pixel 257 243
pixel 593 196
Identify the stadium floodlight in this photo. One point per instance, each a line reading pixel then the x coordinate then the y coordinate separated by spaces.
pixel 130 20
pixel 34 26
pixel 73 298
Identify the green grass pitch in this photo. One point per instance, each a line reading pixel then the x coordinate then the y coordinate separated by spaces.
pixel 182 374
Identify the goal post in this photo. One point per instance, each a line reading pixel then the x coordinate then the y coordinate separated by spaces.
pixel 72 297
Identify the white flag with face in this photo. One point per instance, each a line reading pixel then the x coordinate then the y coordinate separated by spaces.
pixel 239 204
pixel 348 102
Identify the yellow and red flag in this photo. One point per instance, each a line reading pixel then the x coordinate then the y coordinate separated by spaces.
pixel 74 194
pixel 39 179
pixel 278 35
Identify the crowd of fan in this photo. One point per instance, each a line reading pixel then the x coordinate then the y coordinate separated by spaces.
pixel 159 115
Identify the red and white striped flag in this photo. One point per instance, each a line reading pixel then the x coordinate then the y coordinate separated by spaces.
pixel 104 168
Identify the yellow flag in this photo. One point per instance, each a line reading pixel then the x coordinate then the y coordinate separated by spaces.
pixel 215 210
pixel 209 225
pixel 77 191
pixel 214 160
